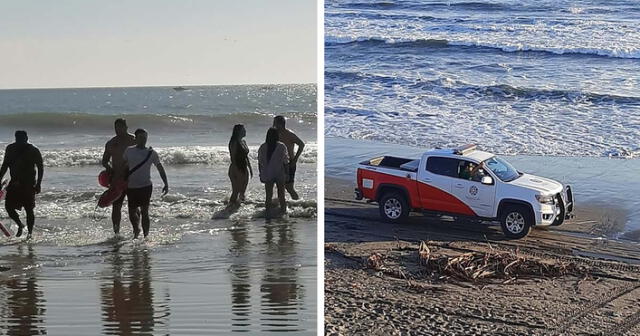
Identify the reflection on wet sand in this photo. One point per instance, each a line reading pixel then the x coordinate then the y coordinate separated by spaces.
pixel 24 306
pixel 127 296
pixel 240 280
pixel 280 289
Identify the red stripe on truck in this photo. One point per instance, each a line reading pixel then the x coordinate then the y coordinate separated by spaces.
pixel 421 195
pixel 382 178
pixel 439 200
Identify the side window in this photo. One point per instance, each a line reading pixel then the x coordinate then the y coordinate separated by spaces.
pixel 442 166
pixel 470 171
pixel 479 174
pixel 467 170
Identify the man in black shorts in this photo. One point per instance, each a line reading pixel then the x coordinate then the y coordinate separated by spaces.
pixel 289 139
pixel 113 161
pixel 22 159
pixel 138 160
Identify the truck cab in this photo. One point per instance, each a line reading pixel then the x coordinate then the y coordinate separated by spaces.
pixel 467 182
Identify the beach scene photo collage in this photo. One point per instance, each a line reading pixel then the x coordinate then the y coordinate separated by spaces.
pixel 320 167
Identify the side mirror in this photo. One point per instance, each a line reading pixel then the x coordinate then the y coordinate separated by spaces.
pixel 486 180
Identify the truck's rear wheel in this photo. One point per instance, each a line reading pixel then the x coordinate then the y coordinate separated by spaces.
pixel 516 221
pixel 394 207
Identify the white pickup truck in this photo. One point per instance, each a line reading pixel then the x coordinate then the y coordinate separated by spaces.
pixel 464 182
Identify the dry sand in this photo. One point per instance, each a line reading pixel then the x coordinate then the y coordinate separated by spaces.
pixel 403 297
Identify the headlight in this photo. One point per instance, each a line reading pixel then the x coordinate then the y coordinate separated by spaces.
pixel 545 199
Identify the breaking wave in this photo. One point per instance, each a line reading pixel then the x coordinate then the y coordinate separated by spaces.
pixel 631 53
pixel 209 155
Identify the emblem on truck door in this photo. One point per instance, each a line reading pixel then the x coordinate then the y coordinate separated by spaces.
pixel 473 190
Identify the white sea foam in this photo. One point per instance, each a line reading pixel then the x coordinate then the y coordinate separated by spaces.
pixel 554 34
pixel 518 126
pixel 443 74
pixel 179 155
pixel 70 205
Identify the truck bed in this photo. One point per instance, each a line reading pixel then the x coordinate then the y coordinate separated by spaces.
pixel 393 163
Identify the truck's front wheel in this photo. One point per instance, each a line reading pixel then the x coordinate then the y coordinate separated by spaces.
pixel 394 207
pixel 516 221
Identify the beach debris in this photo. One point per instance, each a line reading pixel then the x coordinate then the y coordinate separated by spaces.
pixel 375 261
pixel 330 247
pixel 509 266
pixel 423 253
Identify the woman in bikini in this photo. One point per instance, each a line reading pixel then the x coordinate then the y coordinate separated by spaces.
pixel 240 168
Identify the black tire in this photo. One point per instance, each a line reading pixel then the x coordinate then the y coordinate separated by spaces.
pixel 516 221
pixel 393 207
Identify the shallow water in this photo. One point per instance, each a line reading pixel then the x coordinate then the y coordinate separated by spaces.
pixel 196 275
pixel 207 268
pixel 217 277
pixel 596 181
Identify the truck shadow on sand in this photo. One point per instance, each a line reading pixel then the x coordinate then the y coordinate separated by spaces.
pixel 358 224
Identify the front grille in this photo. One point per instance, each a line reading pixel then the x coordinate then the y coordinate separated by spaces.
pixel 558 200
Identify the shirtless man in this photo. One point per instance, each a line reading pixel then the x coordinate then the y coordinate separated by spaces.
pixel 114 151
pixel 22 158
pixel 289 139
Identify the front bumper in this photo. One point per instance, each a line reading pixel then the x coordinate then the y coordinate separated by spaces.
pixel 556 213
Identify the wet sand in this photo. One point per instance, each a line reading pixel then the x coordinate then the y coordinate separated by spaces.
pixel 403 299
pixel 191 278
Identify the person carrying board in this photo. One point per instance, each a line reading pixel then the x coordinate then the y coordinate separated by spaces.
pixel 113 162
pixel 21 159
pixel 138 160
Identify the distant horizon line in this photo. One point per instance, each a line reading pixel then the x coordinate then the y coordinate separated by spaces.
pixel 186 86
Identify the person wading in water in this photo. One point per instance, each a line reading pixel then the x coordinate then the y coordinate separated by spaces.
pixel 240 168
pixel 138 160
pixel 113 162
pixel 22 159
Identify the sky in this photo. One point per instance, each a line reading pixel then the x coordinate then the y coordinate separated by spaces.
pixel 89 43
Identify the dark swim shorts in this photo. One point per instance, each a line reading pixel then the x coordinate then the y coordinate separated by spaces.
pixel 139 196
pixel 20 196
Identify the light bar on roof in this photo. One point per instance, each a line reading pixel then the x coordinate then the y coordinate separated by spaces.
pixel 462 150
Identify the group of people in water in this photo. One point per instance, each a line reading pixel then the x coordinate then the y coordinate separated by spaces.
pixel 276 162
pixel 128 160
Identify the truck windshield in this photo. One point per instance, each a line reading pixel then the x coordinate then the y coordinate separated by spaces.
pixel 503 169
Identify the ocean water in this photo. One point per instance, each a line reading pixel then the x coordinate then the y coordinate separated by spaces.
pixel 553 78
pixel 206 268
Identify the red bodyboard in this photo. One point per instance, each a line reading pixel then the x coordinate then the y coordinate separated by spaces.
pixel 114 192
pixel 104 178
pixel 3 192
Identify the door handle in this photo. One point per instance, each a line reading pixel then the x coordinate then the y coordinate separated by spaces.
pixel 459 185
pixel 426 180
